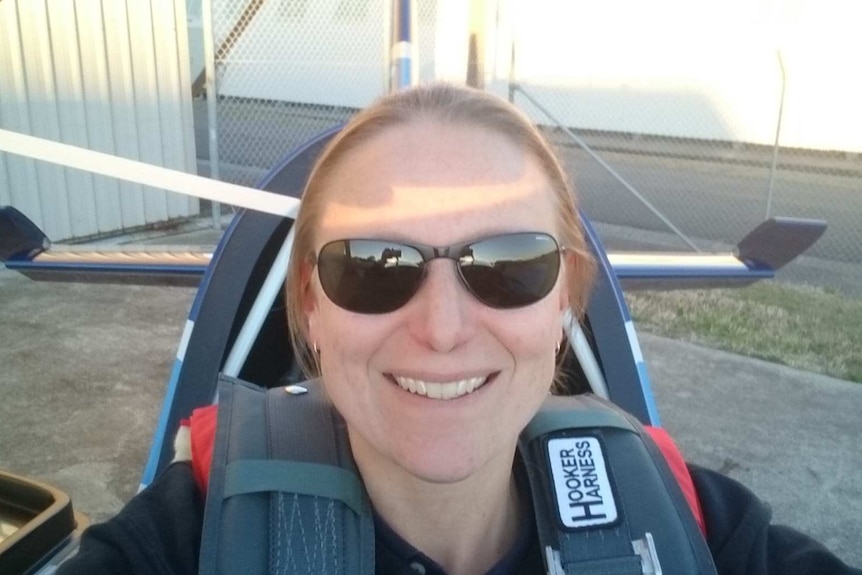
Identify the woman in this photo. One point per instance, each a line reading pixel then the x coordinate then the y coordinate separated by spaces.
pixel 436 372
pixel 426 170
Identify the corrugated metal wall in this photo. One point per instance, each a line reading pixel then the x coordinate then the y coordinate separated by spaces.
pixel 109 75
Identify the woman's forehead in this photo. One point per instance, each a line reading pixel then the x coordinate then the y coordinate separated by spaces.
pixel 423 174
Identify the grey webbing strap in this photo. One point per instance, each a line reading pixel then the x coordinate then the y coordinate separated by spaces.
pixel 600 551
pixel 576 561
pixel 314 534
pixel 256 476
pixel 608 552
pixel 317 440
pixel 239 434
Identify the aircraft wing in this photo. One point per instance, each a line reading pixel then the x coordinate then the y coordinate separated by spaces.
pixel 766 249
pixel 25 248
pixel 769 247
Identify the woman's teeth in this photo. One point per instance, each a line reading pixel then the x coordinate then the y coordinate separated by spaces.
pixel 448 390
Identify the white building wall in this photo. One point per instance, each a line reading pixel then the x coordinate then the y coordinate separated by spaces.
pixel 688 68
pixel 108 75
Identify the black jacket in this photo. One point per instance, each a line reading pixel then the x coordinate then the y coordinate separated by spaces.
pixel 159 532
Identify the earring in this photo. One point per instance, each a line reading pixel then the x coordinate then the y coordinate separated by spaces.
pixel 314 347
pixel 557 348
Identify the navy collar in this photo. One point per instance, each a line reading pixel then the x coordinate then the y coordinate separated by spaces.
pixel 393 550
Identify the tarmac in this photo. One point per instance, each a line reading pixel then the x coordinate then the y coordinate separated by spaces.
pixel 83 370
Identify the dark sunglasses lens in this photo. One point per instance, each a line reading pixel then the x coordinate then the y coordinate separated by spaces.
pixel 513 270
pixel 369 276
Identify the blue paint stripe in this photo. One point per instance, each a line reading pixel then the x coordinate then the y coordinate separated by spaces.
pixel 404 66
pixel 161 427
pixel 626 271
pixel 649 398
pixel 108 268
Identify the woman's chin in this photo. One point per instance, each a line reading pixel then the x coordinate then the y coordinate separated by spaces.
pixel 442 470
pixel 445 461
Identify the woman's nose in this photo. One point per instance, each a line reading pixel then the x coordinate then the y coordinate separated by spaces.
pixel 441 315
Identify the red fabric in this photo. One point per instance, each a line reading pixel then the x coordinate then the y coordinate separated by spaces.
pixel 680 470
pixel 202 425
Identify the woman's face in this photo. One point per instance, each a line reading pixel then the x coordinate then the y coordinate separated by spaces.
pixel 437 185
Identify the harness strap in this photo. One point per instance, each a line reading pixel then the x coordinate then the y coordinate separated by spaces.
pixel 604 504
pixel 263 475
pixel 238 434
pixel 304 428
pixel 587 551
pixel 284 495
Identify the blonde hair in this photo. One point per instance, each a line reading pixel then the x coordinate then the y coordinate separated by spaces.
pixel 441 103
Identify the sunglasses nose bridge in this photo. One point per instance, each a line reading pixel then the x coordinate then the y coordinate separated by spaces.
pixel 440 253
pixel 434 253
pixel 431 253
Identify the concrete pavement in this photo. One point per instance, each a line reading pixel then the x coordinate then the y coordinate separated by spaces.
pixel 793 437
pixel 83 370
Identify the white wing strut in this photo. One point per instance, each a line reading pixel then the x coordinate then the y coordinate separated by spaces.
pixel 147 174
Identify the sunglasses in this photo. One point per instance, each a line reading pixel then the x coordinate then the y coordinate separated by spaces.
pixel 379 276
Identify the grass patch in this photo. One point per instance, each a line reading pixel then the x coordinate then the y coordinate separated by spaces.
pixel 803 327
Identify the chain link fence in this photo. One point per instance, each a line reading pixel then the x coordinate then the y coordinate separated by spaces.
pixel 287 70
pixel 280 68
pixel 712 191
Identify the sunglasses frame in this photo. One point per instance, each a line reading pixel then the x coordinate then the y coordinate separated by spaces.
pixel 452 252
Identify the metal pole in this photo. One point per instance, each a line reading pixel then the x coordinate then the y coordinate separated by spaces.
pixel 403 63
pixel 512 79
pixel 512 85
pixel 212 98
pixel 609 169
pixel 774 167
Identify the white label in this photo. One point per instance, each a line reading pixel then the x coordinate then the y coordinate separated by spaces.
pixel 581 482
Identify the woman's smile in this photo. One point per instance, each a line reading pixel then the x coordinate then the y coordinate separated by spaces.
pixel 444 389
